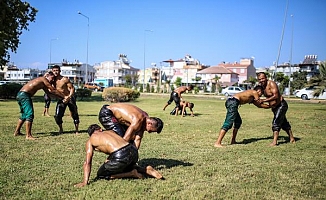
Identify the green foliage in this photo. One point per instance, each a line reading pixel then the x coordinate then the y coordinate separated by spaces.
pixel 82 93
pixel 299 80
pixel 15 17
pixel 178 81
pixel 120 94
pixel 319 81
pixel 9 90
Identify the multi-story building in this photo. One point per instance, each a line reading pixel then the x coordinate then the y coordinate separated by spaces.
pixel 218 74
pixel 245 68
pixel 13 74
pixel 310 64
pixel 116 70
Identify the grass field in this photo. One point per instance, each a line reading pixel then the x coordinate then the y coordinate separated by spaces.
pixel 48 167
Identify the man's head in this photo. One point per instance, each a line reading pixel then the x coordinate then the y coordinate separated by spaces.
pixel 49 76
pixel 92 128
pixel 154 124
pixel 259 90
pixel 190 87
pixel 190 105
pixel 56 70
pixel 262 79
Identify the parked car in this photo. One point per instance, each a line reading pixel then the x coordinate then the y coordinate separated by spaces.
pixel 231 90
pixel 93 86
pixel 307 93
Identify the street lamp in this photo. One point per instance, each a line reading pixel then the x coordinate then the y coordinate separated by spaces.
pixel 51 48
pixel 145 55
pixel 291 54
pixel 86 76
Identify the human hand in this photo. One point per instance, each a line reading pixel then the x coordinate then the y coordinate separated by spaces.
pixel 79 185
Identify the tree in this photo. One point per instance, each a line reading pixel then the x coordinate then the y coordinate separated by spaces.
pixel 178 81
pixel 15 17
pixel 319 81
pixel 299 80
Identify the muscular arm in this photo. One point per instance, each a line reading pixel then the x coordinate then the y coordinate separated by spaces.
pixel 52 90
pixel 131 131
pixel 137 141
pixel 87 164
pixel 71 88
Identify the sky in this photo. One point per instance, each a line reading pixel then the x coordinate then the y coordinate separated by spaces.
pixel 211 31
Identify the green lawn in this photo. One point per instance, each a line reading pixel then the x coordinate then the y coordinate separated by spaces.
pixel 48 167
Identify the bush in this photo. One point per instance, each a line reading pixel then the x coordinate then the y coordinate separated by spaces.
pixel 82 93
pixel 9 90
pixel 119 94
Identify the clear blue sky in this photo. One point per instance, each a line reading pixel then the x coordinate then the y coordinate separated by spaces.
pixel 211 31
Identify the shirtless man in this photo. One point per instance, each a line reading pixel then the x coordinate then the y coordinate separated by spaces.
pixel 183 105
pixel 176 95
pixel 233 116
pixel 64 85
pixel 26 104
pixel 279 107
pixel 129 121
pixel 122 159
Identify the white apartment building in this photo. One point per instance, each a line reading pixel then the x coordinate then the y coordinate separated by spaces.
pixel 115 70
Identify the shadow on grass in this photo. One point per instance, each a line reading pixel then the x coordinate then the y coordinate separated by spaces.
pixel 281 140
pixel 162 163
pixel 66 132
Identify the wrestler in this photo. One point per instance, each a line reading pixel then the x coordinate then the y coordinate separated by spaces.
pixel 64 85
pixel 129 121
pixel 233 117
pixel 184 105
pixel 26 104
pixel 122 160
pixel 176 95
pixel 279 107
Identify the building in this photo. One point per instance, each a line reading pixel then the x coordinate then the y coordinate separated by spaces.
pixel 116 70
pixel 218 74
pixel 13 74
pixel 310 64
pixel 245 68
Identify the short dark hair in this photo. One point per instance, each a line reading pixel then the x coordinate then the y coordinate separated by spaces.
pixel 258 87
pixel 191 105
pixel 50 73
pixel 93 128
pixel 159 124
pixel 57 67
pixel 191 87
pixel 260 73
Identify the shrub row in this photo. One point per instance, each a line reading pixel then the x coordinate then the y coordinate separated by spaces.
pixel 119 94
pixel 9 90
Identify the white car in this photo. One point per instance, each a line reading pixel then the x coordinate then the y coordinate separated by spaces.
pixel 307 93
pixel 231 90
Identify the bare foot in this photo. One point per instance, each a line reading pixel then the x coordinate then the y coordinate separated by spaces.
pixel 47 115
pixel 151 171
pixel 218 145
pixel 292 141
pixel 77 132
pixel 272 144
pixel 18 134
pixel 136 174
pixel 30 138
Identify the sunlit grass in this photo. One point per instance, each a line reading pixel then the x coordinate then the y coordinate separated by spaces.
pixel 48 167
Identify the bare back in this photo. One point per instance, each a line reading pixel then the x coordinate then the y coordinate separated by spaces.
pixel 180 90
pixel 247 96
pixel 128 114
pixel 106 141
pixel 36 84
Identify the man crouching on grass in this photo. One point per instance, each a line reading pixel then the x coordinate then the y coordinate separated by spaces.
pixel 122 160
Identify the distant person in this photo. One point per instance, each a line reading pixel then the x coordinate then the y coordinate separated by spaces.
pixel 184 105
pixel 233 117
pixel 279 107
pixel 122 160
pixel 176 95
pixel 24 98
pixel 129 121
pixel 64 85
pixel 47 103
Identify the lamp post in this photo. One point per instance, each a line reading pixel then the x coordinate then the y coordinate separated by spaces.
pixel 291 55
pixel 145 55
pixel 86 71
pixel 51 49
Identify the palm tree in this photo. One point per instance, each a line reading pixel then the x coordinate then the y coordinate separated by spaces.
pixel 319 81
